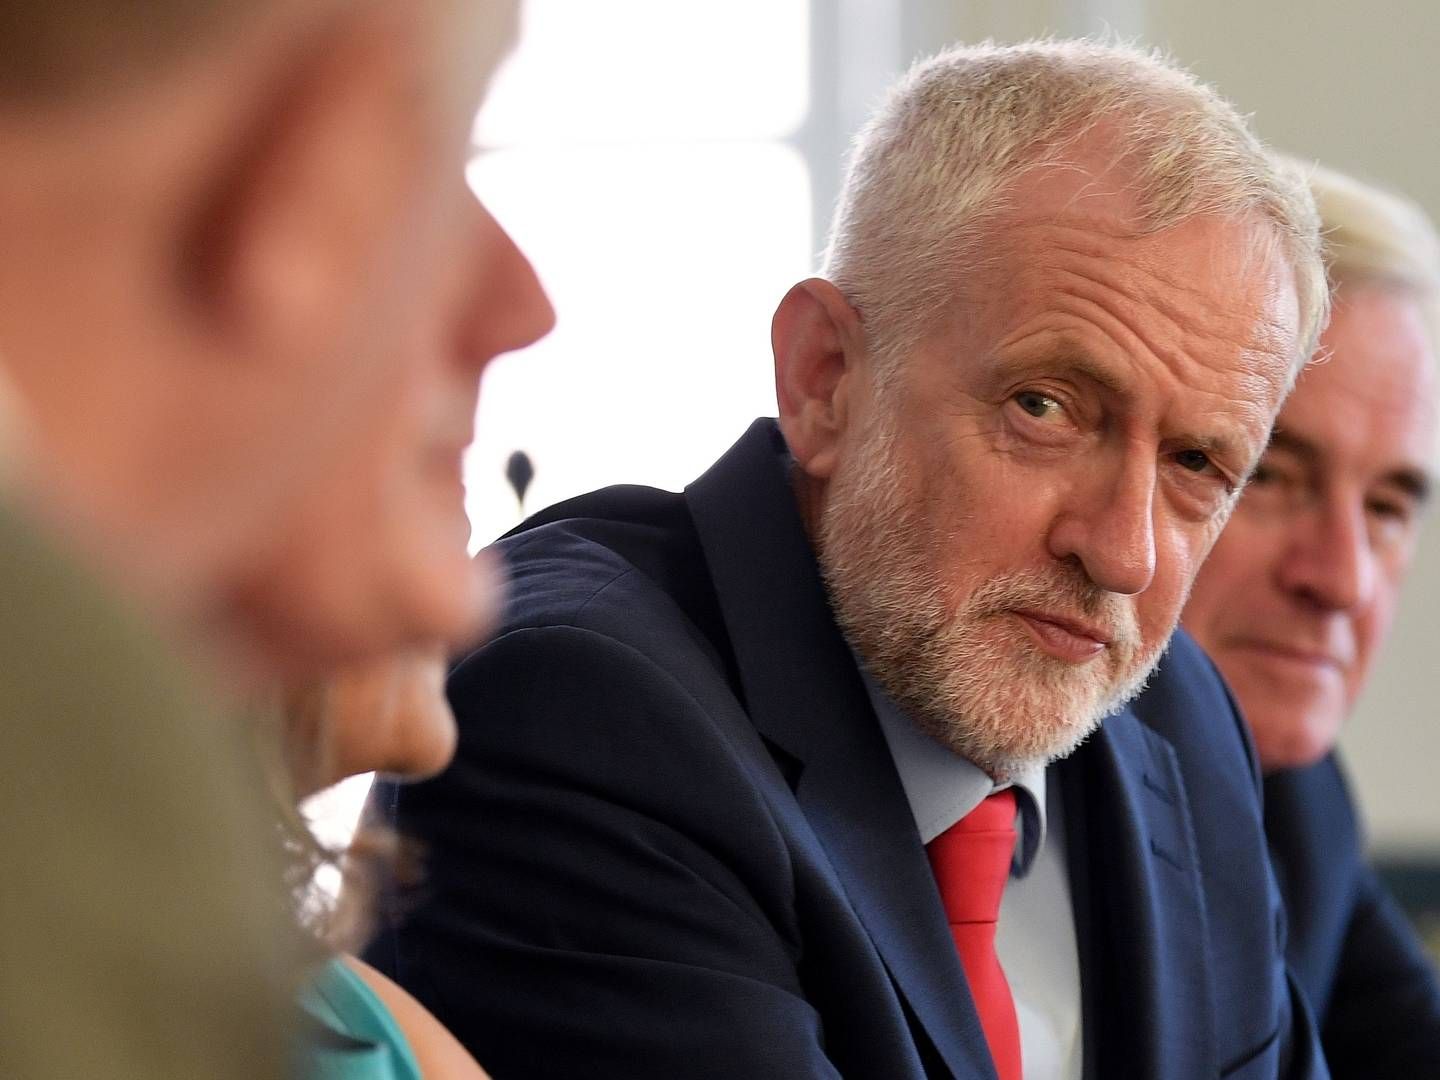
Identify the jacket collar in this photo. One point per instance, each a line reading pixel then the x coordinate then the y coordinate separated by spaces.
pixel 1140 918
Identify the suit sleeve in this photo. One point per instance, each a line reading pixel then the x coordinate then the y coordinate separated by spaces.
pixel 606 894
pixel 1384 1014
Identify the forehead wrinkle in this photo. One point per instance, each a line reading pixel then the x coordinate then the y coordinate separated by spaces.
pixel 1190 308
pixel 1172 295
pixel 1119 314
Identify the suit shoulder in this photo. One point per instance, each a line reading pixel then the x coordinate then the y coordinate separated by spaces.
pixel 624 564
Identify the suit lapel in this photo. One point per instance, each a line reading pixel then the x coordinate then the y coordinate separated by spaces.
pixel 804 694
pixel 1140 918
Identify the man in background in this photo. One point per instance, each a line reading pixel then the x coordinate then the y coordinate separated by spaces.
pixel 245 301
pixel 1297 597
pixel 685 835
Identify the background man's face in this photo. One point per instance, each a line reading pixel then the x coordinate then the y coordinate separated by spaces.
pixel 1010 533
pixel 1301 587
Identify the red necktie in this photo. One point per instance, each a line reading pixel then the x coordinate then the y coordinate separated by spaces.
pixel 971 861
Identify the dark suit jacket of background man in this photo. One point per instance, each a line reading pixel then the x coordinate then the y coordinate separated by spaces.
pixel 674 844
pixel 1364 972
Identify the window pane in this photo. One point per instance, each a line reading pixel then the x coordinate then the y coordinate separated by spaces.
pixel 618 70
pixel 665 266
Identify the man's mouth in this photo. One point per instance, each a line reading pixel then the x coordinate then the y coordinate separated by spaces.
pixel 1065 637
pixel 1296 654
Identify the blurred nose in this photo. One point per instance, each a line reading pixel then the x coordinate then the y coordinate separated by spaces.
pixel 1328 561
pixel 1108 528
pixel 510 308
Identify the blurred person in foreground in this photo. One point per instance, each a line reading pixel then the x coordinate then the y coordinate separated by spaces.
pixel 1298 595
pixel 245 299
pixel 389 716
pixel 686 831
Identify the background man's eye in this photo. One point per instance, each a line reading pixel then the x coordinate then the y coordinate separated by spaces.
pixel 1194 460
pixel 1388 509
pixel 1036 403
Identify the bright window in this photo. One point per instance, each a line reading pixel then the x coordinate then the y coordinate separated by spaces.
pixel 651 181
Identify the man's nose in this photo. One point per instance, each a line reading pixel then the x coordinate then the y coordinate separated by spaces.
pixel 1108 527
pixel 509 307
pixel 1328 561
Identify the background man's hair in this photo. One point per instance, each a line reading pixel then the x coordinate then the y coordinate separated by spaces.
pixel 937 161
pixel 1377 237
pixel 58 49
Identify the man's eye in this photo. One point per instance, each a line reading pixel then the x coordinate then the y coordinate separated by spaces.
pixel 1389 509
pixel 1037 404
pixel 1196 461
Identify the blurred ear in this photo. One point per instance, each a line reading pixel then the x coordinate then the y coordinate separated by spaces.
pixel 818 344
pixel 305 204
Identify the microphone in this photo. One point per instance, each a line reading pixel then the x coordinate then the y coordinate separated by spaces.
pixel 519 471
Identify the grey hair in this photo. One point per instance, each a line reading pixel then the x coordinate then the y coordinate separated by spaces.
pixel 936 161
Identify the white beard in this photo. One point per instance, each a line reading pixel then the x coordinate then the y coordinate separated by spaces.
pixel 969 676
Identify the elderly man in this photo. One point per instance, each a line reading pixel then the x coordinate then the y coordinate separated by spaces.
pixel 245 300
pixel 686 834
pixel 1297 597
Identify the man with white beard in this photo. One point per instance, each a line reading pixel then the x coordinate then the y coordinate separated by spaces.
pixel 751 761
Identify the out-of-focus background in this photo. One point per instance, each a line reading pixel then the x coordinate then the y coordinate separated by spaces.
pixel 670 167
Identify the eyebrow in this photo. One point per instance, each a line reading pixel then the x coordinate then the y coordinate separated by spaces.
pixel 1077 362
pixel 1072 361
pixel 1414 482
pixel 1082 364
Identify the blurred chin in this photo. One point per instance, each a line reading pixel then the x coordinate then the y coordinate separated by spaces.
pixel 1287 737
pixel 428 753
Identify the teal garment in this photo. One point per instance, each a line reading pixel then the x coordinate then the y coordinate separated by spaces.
pixel 354 1035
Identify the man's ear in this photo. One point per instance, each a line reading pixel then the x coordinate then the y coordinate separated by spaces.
pixel 304 203
pixel 819 346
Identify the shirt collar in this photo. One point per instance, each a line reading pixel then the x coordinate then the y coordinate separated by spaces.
pixel 942 787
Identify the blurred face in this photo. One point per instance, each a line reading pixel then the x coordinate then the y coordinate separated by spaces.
pixel 389 716
pixel 1011 530
pixel 378 558
pixel 1301 587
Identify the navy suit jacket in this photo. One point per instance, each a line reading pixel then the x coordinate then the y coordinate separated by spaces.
pixel 674 844
pixel 1355 955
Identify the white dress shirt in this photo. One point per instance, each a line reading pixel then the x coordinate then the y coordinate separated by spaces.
pixel 1035 936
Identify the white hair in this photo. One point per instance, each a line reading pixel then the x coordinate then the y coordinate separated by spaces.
pixel 1376 237
pixel 939 157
